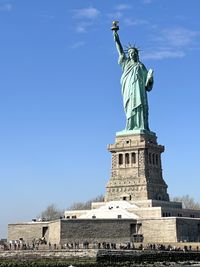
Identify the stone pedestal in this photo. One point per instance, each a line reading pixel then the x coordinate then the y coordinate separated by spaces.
pixel 136 172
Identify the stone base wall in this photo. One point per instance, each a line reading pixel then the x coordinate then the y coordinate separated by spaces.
pixel 153 230
pixel 95 230
pixel 27 231
pixel 158 230
pixel 54 232
pixel 188 229
pixel 169 230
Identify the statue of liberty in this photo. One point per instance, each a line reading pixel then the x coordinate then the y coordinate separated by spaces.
pixel 135 82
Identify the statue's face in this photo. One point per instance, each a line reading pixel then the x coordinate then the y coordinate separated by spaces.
pixel 133 54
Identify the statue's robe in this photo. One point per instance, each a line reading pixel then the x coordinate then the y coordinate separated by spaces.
pixel 133 81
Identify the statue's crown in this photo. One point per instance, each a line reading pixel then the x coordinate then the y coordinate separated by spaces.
pixel 131 47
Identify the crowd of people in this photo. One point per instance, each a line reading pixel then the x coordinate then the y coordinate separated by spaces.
pixel 170 247
pixel 87 245
pixel 41 243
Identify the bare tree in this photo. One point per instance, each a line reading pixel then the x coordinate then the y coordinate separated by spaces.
pixel 188 202
pixel 85 205
pixel 51 213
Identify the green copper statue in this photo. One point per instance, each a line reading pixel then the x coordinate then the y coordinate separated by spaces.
pixel 135 81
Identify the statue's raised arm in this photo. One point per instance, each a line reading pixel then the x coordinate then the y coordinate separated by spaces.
pixel 118 44
pixel 119 47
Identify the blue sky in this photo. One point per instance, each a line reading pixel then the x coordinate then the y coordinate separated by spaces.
pixel 61 104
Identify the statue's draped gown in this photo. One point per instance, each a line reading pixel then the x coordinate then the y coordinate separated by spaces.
pixel 133 83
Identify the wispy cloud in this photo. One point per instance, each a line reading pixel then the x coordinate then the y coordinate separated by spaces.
pixel 135 22
pixel 172 42
pixel 77 45
pixel 159 55
pixel 6 6
pixel 85 17
pixel 86 13
pixel 122 7
pixel 178 37
pixel 82 26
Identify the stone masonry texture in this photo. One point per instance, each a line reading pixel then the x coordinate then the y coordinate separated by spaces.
pixel 136 172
